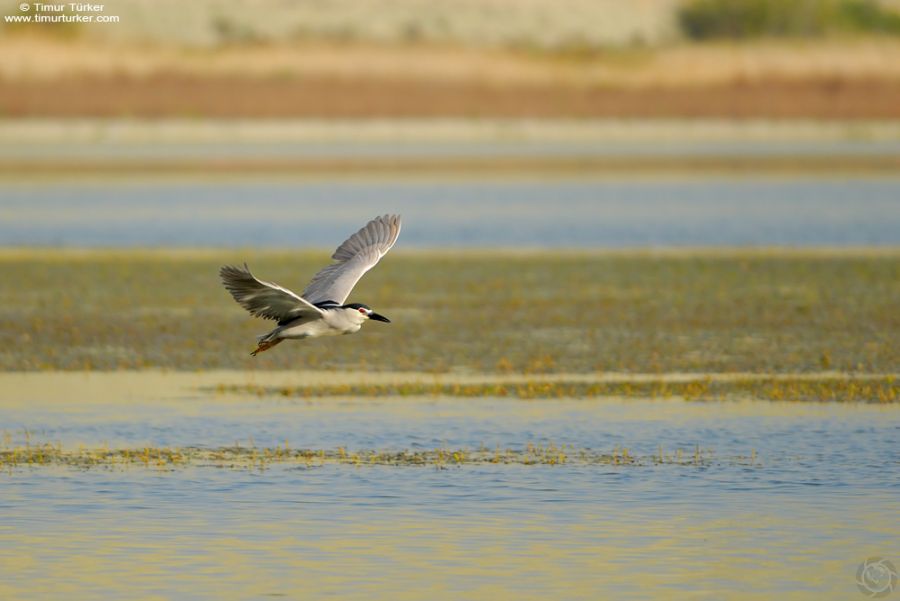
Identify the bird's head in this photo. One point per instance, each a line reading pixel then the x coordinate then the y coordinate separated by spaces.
pixel 366 312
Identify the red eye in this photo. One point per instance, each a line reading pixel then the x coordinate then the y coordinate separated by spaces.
pixel 361 310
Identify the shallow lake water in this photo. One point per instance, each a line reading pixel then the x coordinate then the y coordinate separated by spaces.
pixel 545 212
pixel 791 498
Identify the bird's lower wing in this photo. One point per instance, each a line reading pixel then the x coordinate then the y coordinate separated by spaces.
pixel 264 299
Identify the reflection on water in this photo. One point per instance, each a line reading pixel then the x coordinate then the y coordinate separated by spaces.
pixel 544 213
pixel 416 532
pixel 821 498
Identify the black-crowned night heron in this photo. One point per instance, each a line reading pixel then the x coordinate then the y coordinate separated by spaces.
pixel 320 310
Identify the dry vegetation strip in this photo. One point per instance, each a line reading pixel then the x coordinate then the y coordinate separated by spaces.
pixel 825 79
pixel 221 96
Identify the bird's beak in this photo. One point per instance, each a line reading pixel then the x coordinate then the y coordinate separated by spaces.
pixel 378 317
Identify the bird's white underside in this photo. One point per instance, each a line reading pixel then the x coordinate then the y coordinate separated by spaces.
pixel 333 323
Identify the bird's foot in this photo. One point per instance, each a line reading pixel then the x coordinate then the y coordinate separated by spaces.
pixel 264 346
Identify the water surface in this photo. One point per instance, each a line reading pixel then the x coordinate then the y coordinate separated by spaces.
pixel 820 497
pixel 799 211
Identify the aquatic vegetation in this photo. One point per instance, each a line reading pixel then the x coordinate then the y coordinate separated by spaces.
pixel 545 312
pixel 251 457
pixel 839 389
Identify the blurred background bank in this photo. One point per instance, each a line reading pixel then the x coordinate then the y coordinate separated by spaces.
pixel 657 122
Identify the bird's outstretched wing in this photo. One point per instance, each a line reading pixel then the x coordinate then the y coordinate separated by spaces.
pixel 358 254
pixel 265 299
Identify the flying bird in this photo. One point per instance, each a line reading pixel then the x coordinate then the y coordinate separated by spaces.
pixel 320 310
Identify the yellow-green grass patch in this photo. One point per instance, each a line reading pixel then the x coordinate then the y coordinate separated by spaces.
pixel 469 312
pixel 13 459
pixel 881 390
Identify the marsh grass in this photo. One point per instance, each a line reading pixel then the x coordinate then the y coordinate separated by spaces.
pixel 840 389
pixel 741 19
pixel 483 312
pixel 15 458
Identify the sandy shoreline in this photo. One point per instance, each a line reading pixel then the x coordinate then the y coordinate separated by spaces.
pixel 462 129
pixel 139 385
pixel 82 148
